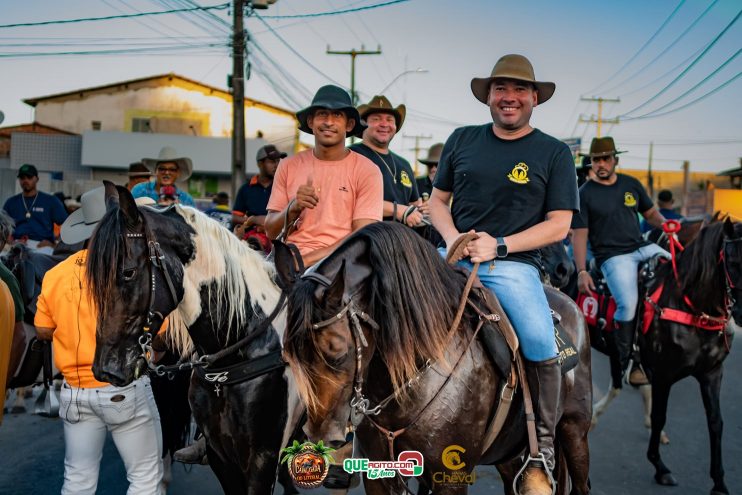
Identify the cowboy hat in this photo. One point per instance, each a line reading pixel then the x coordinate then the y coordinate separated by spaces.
pixel 332 98
pixel 602 147
pixel 380 104
pixel 81 223
pixel 138 169
pixel 515 67
pixel 168 154
pixel 434 155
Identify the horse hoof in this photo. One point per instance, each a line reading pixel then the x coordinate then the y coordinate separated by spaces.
pixel 666 479
pixel 18 410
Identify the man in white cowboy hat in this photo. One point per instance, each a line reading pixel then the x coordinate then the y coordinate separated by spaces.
pixel 609 206
pixel 89 408
pixel 329 191
pixel 168 168
pixel 515 187
pixel 383 121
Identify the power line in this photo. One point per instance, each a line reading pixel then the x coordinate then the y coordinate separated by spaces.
pixel 649 64
pixel 117 51
pixel 685 71
pixel 641 49
pixel 336 12
pixel 693 102
pixel 111 17
pixel 664 75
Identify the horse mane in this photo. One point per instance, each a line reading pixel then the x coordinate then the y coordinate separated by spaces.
pixel 414 295
pixel 236 271
pixel 7 224
pixel 699 271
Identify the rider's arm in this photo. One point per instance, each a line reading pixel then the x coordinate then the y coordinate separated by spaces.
pixel 654 217
pixel 274 220
pixel 440 215
pixel 579 247
pixel 44 333
pixel 554 229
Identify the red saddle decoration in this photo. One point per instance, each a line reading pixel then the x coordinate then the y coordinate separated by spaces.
pixel 596 307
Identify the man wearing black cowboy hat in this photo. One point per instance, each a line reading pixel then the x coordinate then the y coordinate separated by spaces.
pixel 609 208
pixel 326 192
pixel 425 184
pixel 383 121
pixel 515 188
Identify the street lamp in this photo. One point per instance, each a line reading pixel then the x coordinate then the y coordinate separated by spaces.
pixel 410 71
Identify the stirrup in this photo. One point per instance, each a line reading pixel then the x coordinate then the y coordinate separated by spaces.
pixel 540 458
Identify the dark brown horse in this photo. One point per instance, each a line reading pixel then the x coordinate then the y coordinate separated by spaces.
pixel 146 263
pixel 708 284
pixel 443 389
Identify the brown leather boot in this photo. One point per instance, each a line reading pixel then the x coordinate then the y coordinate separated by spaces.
pixel 545 382
pixel 194 453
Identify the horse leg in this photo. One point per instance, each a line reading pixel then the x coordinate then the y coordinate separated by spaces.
pixel 229 475
pixel 660 395
pixel 285 480
pixel 576 453
pixel 601 406
pixel 507 472
pixel 19 405
pixel 646 392
pixel 710 390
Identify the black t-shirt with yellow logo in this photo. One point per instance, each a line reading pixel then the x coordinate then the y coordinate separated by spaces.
pixel 610 213
pixel 404 189
pixel 504 187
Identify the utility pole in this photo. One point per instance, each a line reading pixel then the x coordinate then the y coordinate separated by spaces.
pixel 600 120
pixel 686 186
pixel 238 97
pixel 417 148
pixel 650 178
pixel 353 54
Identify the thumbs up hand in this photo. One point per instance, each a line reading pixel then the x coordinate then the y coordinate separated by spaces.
pixel 306 196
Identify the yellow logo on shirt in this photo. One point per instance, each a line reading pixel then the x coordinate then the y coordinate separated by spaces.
pixel 629 200
pixel 405 179
pixel 519 174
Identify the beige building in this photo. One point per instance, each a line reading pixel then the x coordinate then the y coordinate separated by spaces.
pixel 163 104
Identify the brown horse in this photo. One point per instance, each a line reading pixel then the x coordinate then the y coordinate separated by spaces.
pixel 384 357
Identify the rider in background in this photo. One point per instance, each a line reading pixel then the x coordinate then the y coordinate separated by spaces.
pixel 609 204
pixel 665 202
pixel 515 187
pixel 329 191
pixel 89 408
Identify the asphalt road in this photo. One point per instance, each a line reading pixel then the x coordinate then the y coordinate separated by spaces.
pixel 32 449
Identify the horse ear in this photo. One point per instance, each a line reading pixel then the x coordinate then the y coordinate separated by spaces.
pixel 728 228
pixel 283 258
pixel 334 293
pixel 111 195
pixel 127 205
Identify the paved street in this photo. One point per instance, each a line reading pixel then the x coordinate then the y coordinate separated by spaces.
pixel 32 452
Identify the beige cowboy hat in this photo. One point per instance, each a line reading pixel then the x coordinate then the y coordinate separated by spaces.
pixel 168 154
pixel 81 223
pixel 515 67
pixel 434 155
pixel 380 104
pixel 602 146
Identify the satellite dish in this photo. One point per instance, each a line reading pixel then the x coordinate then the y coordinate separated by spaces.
pixel 2 117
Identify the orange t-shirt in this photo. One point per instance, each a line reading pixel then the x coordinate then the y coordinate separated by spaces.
pixel 66 306
pixel 348 189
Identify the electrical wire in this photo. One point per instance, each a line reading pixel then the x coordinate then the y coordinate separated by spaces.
pixel 336 12
pixel 111 17
pixel 664 75
pixel 687 69
pixel 118 51
pixel 641 49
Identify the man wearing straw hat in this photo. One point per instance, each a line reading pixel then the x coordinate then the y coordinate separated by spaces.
pixel 138 173
pixel 609 208
pixel 168 168
pixel 515 188
pixel 328 191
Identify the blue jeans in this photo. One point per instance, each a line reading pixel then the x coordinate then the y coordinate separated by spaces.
pixel 520 292
pixel 621 275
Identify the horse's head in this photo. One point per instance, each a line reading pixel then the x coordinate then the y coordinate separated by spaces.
pixel 135 272
pixel 557 264
pixel 327 352
pixel 732 256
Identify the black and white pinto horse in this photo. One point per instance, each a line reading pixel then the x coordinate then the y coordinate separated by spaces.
pixel 146 263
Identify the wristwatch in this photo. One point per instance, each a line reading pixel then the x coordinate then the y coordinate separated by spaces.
pixel 502 248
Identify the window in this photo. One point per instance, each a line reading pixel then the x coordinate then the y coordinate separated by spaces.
pixel 96 125
pixel 140 125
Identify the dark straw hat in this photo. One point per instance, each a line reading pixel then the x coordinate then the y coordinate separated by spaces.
pixel 380 104
pixel 603 146
pixel 434 155
pixel 515 67
pixel 138 169
pixel 332 98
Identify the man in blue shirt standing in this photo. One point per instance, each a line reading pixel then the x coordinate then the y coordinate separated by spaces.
pixel 168 168
pixel 33 211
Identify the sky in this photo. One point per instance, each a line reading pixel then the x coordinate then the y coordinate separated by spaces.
pixel 655 56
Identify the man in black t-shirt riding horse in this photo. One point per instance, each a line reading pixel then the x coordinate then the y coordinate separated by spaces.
pixel 609 208
pixel 515 187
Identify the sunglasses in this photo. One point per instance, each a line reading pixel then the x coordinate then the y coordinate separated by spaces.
pixel 167 169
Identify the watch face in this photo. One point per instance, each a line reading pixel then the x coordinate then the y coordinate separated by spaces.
pixel 502 250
